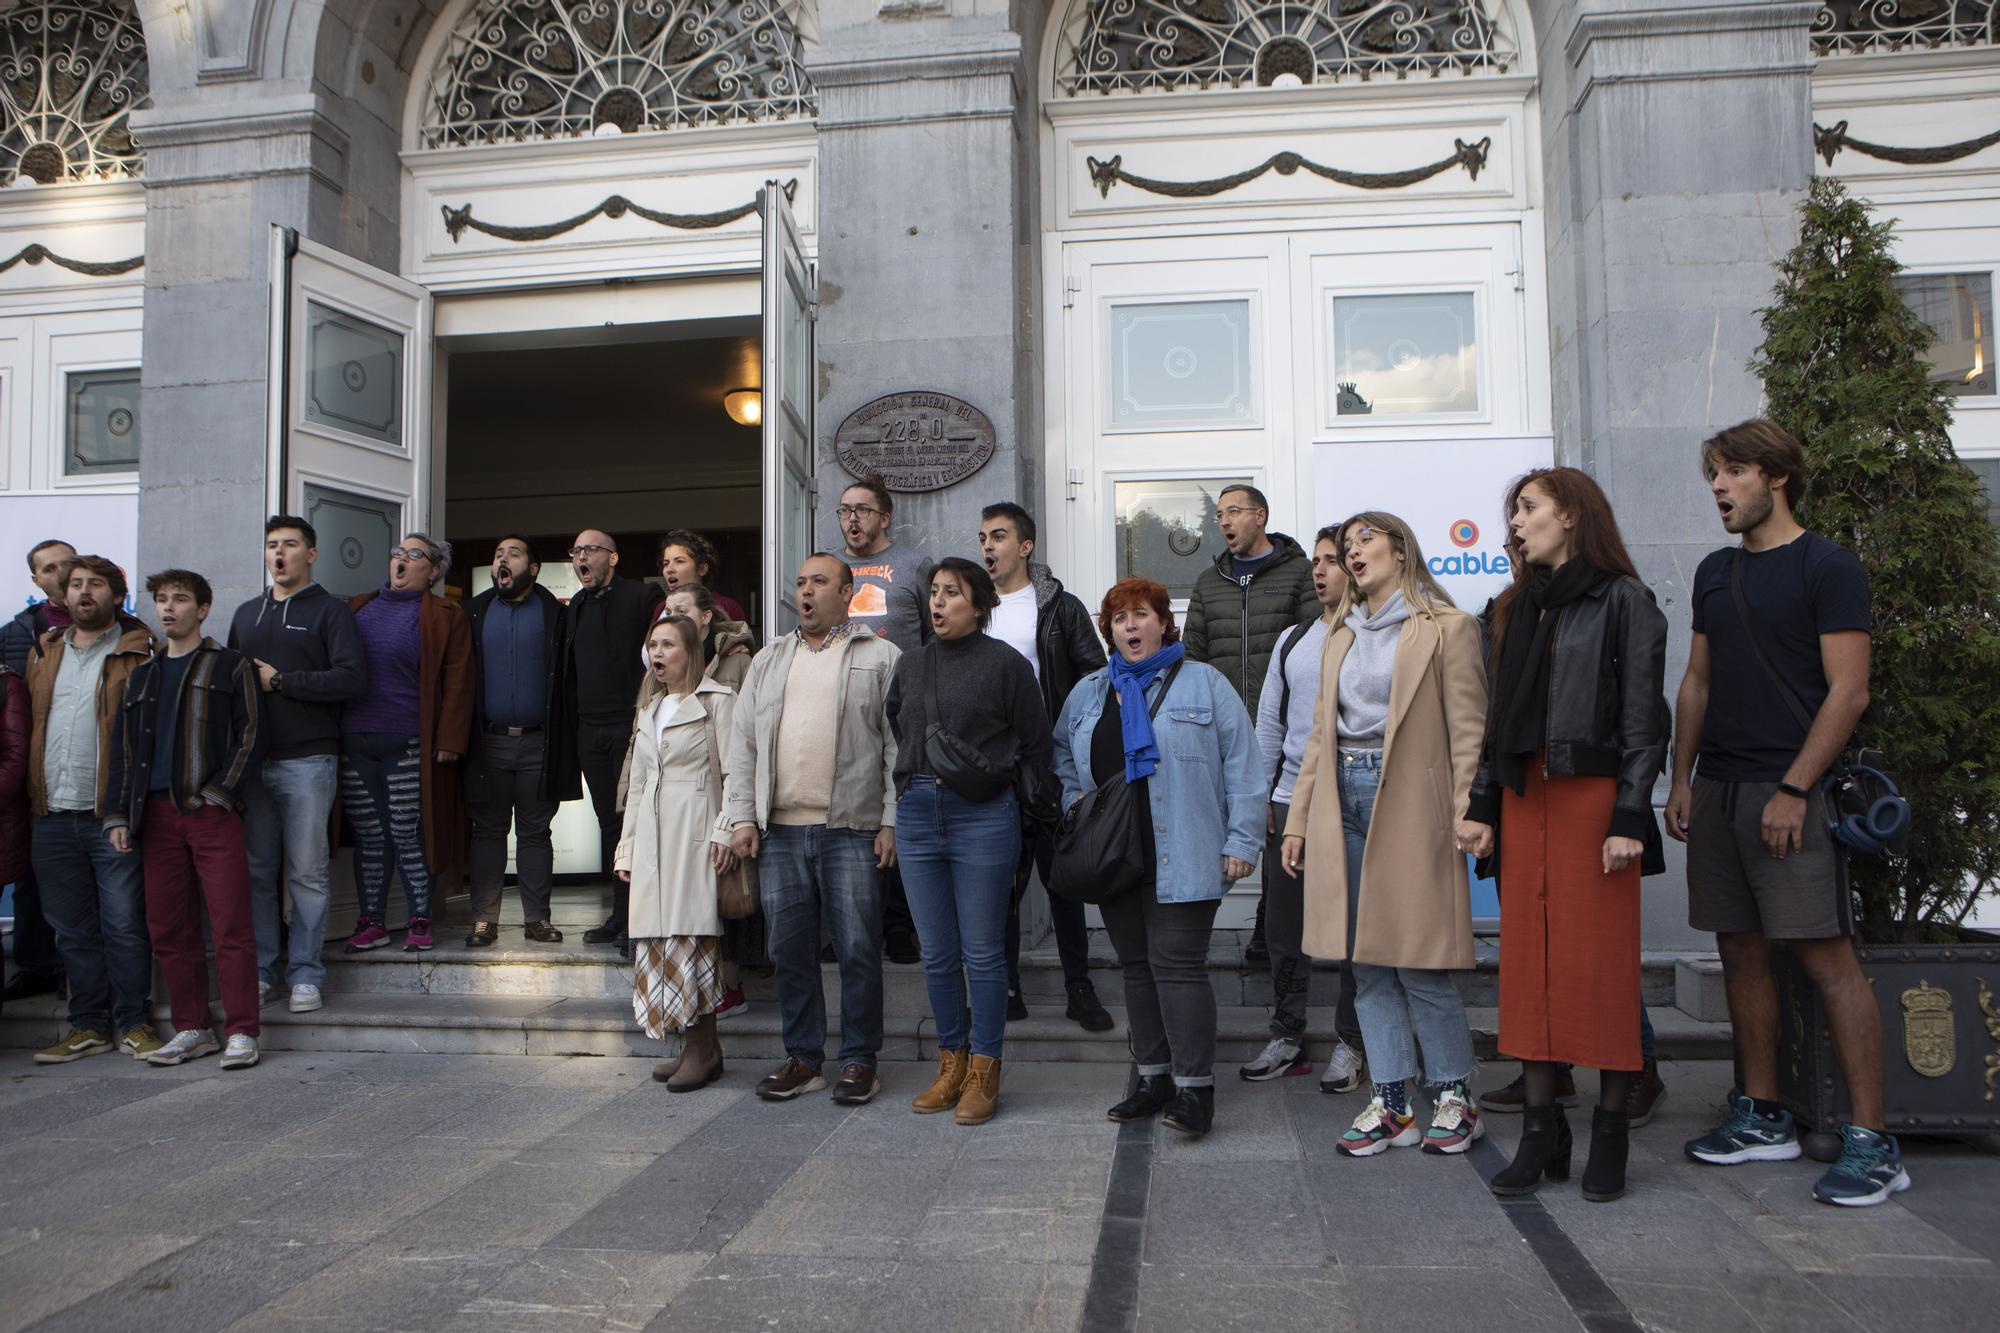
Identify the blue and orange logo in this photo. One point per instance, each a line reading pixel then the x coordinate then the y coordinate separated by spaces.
pixel 1464 534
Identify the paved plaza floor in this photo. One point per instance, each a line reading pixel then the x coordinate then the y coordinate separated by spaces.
pixel 358 1191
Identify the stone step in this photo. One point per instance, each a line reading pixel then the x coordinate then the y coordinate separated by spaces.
pixel 603 1026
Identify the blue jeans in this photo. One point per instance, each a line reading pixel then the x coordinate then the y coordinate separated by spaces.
pixel 804 870
pixel 95 898
pixel 1400 1008
pixel 381 786
pixel 286 806
pixel 958 869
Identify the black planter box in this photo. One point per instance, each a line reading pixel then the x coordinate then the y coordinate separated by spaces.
pixel 1940 1008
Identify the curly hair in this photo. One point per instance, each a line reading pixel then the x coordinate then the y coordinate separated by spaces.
pixel 1131 594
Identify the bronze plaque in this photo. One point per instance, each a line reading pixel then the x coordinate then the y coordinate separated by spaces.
pixel 917 440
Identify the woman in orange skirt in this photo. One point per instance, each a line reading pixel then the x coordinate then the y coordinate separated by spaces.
pixel 1575 736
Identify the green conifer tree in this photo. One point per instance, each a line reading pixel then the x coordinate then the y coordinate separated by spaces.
pixel 1843 369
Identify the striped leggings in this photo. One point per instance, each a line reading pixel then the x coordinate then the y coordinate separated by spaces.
pixel 381 786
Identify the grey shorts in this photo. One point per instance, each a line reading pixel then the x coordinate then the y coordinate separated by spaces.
pixel 1736 885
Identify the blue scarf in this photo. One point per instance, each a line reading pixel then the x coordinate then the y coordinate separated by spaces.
pixel 1130 679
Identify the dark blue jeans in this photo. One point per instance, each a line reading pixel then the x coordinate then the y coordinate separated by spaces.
pixel 96 900
pixel 804 870
pixel 958 868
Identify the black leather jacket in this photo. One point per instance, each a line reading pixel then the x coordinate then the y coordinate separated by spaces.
pixel 1607 713
pixel 1066 641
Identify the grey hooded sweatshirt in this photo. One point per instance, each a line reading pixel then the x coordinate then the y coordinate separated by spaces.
pixel 1366 671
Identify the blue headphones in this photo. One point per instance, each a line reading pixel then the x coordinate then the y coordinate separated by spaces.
pixel 1868 812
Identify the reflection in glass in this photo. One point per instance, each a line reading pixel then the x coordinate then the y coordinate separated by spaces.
pixel 353 379
pixel 1405 354
pixel 1959 309
pixel 356 533
pixel 101 425
pixel 1181 363
pixel 1166 529
pixel 1988 472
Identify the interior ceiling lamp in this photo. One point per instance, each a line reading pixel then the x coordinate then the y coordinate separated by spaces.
pixel 744 406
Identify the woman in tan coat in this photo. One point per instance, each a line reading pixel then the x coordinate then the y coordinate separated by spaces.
pixel 673 847
pixel 1385 778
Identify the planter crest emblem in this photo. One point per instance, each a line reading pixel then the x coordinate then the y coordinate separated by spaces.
pixel 1930 1042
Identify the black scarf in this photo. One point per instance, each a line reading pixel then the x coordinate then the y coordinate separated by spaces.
pixel 1519 719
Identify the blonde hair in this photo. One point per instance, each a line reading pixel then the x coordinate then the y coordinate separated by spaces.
pixel 1421 590
pixel 690 641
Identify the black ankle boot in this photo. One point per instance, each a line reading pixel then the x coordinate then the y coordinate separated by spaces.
pixel 1545 1150
pixel 1192 1112
pixel 1148 1099
pixel 1604 1173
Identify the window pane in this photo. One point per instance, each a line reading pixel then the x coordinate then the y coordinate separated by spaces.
pixel 353 378
pixel 1959 309
pixel 1400 355
pixel 1988 472
pixel 101 433
pixel 1184 363
pixel 1166 529
pixel 356 533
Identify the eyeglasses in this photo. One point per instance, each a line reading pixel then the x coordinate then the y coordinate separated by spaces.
pixel 856 511
pixel 579 552
pixel 1234 511
pixel 410 553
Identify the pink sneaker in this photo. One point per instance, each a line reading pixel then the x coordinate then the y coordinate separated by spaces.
pixel 419 938
pixel 733 1004
pixel 367 935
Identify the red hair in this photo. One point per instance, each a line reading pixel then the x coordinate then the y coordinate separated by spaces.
pixel 1594 539
pixel 1130 595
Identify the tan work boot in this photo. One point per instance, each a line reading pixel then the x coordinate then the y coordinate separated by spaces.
pixel 666 1069
pixel 943 1094
pixel 701 1057
pixel 980 1097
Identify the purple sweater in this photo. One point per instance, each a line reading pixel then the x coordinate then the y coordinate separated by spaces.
pixel 392 643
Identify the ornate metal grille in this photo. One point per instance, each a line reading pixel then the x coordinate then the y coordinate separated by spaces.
pixel 71 71
pixel 550 69
pixel 1845 27
pixel 1151 45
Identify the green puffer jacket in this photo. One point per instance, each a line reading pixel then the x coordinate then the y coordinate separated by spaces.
pixel 1234 626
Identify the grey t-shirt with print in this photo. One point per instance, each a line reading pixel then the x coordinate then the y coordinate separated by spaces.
pixel 892 594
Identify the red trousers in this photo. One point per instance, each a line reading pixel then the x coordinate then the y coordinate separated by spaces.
pixel 191 859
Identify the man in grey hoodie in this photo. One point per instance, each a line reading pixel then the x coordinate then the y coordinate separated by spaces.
pixel 1285 709
pixel 308 656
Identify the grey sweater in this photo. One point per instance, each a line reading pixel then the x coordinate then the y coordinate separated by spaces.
pixel 1282 740
pixel 1367 671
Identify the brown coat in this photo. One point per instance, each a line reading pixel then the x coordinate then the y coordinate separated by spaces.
pixel 444 722
pixel 1413 910
pixel 135 645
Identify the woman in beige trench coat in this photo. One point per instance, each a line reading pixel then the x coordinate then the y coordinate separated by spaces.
pixel 1385 779
pixel 673 846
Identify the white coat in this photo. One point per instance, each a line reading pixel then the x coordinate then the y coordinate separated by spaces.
pixel 672 813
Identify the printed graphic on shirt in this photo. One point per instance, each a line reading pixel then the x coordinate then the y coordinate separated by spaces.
pixel 871 599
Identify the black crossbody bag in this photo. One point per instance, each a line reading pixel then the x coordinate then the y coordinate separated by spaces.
pixel 958 763
pixel 1865 809
pixel 1101 844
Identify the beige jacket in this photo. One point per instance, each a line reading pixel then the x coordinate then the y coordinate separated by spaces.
pixel 672 813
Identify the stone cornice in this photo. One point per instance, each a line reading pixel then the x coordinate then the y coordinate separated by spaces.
pixel 239 138
pixel 983 77
pixel 1686 42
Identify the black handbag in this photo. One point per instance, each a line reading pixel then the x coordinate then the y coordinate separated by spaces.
pixel 958 764
pixel 1865 809
pixel 1101 843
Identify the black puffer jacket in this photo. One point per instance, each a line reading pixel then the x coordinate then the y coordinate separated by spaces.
pixel 1066 642
pixel 1607 713
pixel 1235 626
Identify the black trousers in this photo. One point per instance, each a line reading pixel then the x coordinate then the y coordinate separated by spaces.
pixel 502 792
pixel 600 748
pixel 1038 852
pixel 1284 932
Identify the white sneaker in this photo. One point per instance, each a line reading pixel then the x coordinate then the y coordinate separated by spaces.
pixel 266 992
pixel 241 1052
pixel 305 999
pixel 187 1044
pixel 1278 1059
pixel 1343 1069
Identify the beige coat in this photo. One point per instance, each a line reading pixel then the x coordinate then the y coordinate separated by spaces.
pixel 1413 910
pixel 672 813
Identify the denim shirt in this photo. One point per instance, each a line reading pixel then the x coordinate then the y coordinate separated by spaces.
pixel 1208 795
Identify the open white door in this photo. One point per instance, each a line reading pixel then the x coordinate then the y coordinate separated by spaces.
pixel 791 304
pixel 350 412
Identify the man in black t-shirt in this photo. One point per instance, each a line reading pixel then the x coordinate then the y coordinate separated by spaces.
pixel 1762 863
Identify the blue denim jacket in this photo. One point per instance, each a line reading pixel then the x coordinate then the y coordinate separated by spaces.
pixel 1208 796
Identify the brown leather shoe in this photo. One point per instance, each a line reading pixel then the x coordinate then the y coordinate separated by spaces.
pixel 942 1095
pixel 857 1085
pixel 790 1080
pixel 484 933
pixel 1644 1099
pixel 980 1097
pixel 541 932
pixel 701 1057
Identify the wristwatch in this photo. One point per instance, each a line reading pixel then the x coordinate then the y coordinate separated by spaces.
pixel 277 682
pixel 1789 790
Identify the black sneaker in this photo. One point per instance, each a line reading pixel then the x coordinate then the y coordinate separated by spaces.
pixel 1017 1007
pixel 789 1080
pixel 901 946
pixel 1085 1010
pixel 1257 951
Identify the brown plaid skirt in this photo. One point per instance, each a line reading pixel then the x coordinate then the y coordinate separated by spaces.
pixel 674 981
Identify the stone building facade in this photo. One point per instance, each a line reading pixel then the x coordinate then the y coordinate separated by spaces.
pixel 469 266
